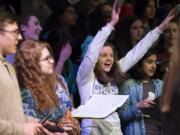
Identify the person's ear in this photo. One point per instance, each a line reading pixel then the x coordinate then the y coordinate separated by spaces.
pixel 23 27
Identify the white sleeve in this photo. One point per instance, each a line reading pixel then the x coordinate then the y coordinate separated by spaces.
pixel 87 65
pixel 139 50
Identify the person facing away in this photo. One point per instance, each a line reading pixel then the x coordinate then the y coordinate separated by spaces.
pixel 142 87
pixel 12 118
pixel 100 72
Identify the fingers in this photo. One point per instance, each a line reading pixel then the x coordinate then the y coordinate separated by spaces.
pixel 44 131
pixel 67 47
pixel 66 51
pixel 148 103
pixel 49 123
pixel 171 14
pixel 116 6
pixel 68 125
pixel 68 128
pixel 115 13
pixel 60 133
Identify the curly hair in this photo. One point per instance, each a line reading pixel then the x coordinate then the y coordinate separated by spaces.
pixel 31 77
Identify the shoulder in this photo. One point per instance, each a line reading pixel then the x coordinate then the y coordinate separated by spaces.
pixel 26 94
pixel 130 82
pixel 128 86
pixel 158 81
pixel 60 78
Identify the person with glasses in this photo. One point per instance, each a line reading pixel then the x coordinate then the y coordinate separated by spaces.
pixel 15 32
pixel 42 90
pixel 12 118
pixel 101 73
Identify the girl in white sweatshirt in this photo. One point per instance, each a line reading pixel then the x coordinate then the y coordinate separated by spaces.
pixel 100 73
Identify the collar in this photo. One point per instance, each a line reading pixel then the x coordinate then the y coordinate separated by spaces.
pixel 2 59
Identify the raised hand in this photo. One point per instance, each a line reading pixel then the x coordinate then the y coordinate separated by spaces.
pixel 166 21
pixel 65 52
pixel 115 13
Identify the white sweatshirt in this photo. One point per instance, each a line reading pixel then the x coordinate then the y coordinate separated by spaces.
pixel 86 80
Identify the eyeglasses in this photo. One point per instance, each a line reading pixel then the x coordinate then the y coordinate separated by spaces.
pixel 48 58
pixel 16 31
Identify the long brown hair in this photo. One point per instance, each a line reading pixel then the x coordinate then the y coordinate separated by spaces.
pixel 115 76
pixel 32 78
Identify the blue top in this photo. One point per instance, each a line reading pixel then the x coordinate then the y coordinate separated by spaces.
pixel 63 95
pixel 130 115
pixel 57 112
pixel 30 108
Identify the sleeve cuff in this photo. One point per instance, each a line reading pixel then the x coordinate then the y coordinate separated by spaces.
pixel 136 111
pixel 109 27
pixel 157 30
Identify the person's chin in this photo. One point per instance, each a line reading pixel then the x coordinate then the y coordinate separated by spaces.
pixel 12 51
pixel 151 74
pixel 107 70
pixel 35 37
pixel 51 71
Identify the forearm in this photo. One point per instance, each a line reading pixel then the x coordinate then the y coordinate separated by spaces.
pixel 139 50
pixel 59 67
pixel 130 113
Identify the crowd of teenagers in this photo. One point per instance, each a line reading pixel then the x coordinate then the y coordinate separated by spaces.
pixel 83 48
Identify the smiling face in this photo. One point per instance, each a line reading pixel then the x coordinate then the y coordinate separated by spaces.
pixel 149 66
pixel 9 37
pixel 32 29
pixel 106 59
pixel 46 62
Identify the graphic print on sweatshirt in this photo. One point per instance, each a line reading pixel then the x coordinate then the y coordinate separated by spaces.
pixel 104 89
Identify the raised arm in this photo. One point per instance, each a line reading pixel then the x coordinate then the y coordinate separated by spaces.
pixel 92 54
pixel 64 55
pixel 138 51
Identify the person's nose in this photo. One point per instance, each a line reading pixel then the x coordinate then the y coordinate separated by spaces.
pixel 19 37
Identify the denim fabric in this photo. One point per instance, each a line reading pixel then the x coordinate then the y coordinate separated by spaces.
pixel 130 115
